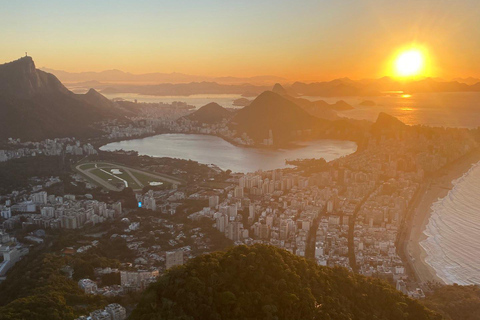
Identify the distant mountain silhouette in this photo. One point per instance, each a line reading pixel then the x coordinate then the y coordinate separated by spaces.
pixel 118 76
pixel 210 114
pixel 341 105
pixel 336 88
pixel 34 105
pixel 279 89
pixel 368 103
pixel 388 126
pixel 320 108
pixel 375 87
pixel 96 99
pixel 182 89
pixel 470 80
pixel 241 102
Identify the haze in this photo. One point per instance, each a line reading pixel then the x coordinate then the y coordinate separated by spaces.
pixel 308 40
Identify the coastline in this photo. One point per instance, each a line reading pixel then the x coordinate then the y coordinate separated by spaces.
pixel 436 187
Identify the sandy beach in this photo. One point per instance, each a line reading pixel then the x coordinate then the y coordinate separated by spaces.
pixel 434 188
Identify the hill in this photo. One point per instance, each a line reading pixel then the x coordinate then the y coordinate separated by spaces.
pixel 210 114
pixel 270 111
pixel 118 76
pixel 455 302
pixel 34 105
pixel 388 125
pixel 320 108
pixel 264 282
pixel 96 99
pixel 279 89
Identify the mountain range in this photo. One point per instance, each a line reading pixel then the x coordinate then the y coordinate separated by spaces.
pixel 343 87
pixel 376 87
pixel 118 76
pixel 35 105
pixel 318 108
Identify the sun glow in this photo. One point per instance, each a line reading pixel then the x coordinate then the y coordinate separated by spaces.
pixel 409 63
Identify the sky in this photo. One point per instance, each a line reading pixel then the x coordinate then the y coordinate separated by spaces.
pixel 295 39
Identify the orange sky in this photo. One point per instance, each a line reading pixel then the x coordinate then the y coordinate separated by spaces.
pixel 298 40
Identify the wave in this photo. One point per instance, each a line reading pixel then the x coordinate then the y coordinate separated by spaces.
pixel 453 232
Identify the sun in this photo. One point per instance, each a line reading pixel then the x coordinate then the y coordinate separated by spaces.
pixel 409 63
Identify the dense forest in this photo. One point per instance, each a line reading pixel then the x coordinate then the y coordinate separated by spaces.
pixel 40 288
pixel 263 282
pixel 456 302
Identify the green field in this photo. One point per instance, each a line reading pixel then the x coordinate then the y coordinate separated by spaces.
pixel 135 179
pixel 112 178
pixel 145 180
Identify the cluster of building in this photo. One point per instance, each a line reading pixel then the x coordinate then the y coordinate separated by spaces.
pixel 124 131
pixel 11 250
pixel 130 281
pixel 221 129
pixel 148 117
pixel 50 211
pixel 113 311
pixel 50 147
pixel 350 212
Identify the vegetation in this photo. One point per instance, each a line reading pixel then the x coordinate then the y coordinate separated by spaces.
pixel 263 282
pixel 18 173
pixel 39 287
pixel 456 302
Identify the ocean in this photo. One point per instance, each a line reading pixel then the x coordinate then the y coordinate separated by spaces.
pixel 453 232
pixel 446 109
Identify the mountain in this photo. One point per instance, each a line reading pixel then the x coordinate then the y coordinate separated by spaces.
pixel 264 282
pixel 182 89
pixel 368 103
pixel 336 88
pixel 470 80
pixel 375 87
pixel 270 111
pixel 319 108
pixel 118 76
pixel 95 98
pixel 34 105
pixel 241 102
pixel 341 105
pixel 21 78
pixel 388 125
pixel 279 89
pixel 210 114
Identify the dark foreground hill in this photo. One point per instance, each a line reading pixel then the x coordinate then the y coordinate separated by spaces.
pixel 35 105
pixel 263 282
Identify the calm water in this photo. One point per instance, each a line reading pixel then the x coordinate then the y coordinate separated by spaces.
pixel 453 232
pixel 197 100
pixel 447 109
pixel 214 150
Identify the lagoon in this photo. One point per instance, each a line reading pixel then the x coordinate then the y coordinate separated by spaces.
pixel 208 149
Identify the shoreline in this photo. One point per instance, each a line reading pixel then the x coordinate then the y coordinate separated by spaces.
pixel 436 187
